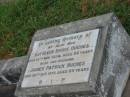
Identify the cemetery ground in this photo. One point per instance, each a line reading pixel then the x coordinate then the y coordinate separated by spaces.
pixel 21 18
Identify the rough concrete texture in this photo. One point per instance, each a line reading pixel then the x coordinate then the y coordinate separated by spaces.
pixel 117 61
pixel 126 92
pixel 116 58
pixel 10 71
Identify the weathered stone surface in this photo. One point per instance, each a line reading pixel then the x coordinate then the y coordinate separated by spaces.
pixel 126 92
pixel 10 71
pixel 115 60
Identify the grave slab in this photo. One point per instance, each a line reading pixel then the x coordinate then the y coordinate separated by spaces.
pixel 89 57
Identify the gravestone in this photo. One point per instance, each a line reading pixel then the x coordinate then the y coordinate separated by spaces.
pixel 88 58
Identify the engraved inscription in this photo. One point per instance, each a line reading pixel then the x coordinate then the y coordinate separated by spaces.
pixel 61 60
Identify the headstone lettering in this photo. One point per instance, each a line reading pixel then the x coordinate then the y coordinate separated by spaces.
pixel 61 60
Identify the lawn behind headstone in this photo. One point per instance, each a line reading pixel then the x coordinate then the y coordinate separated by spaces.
pixel 21 18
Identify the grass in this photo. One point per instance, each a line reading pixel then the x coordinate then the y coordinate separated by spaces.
pixel 20 19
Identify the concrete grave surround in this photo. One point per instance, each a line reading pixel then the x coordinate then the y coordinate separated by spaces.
pixel 110 68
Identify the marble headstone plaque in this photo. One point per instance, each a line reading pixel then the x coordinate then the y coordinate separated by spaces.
pixel 61 60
